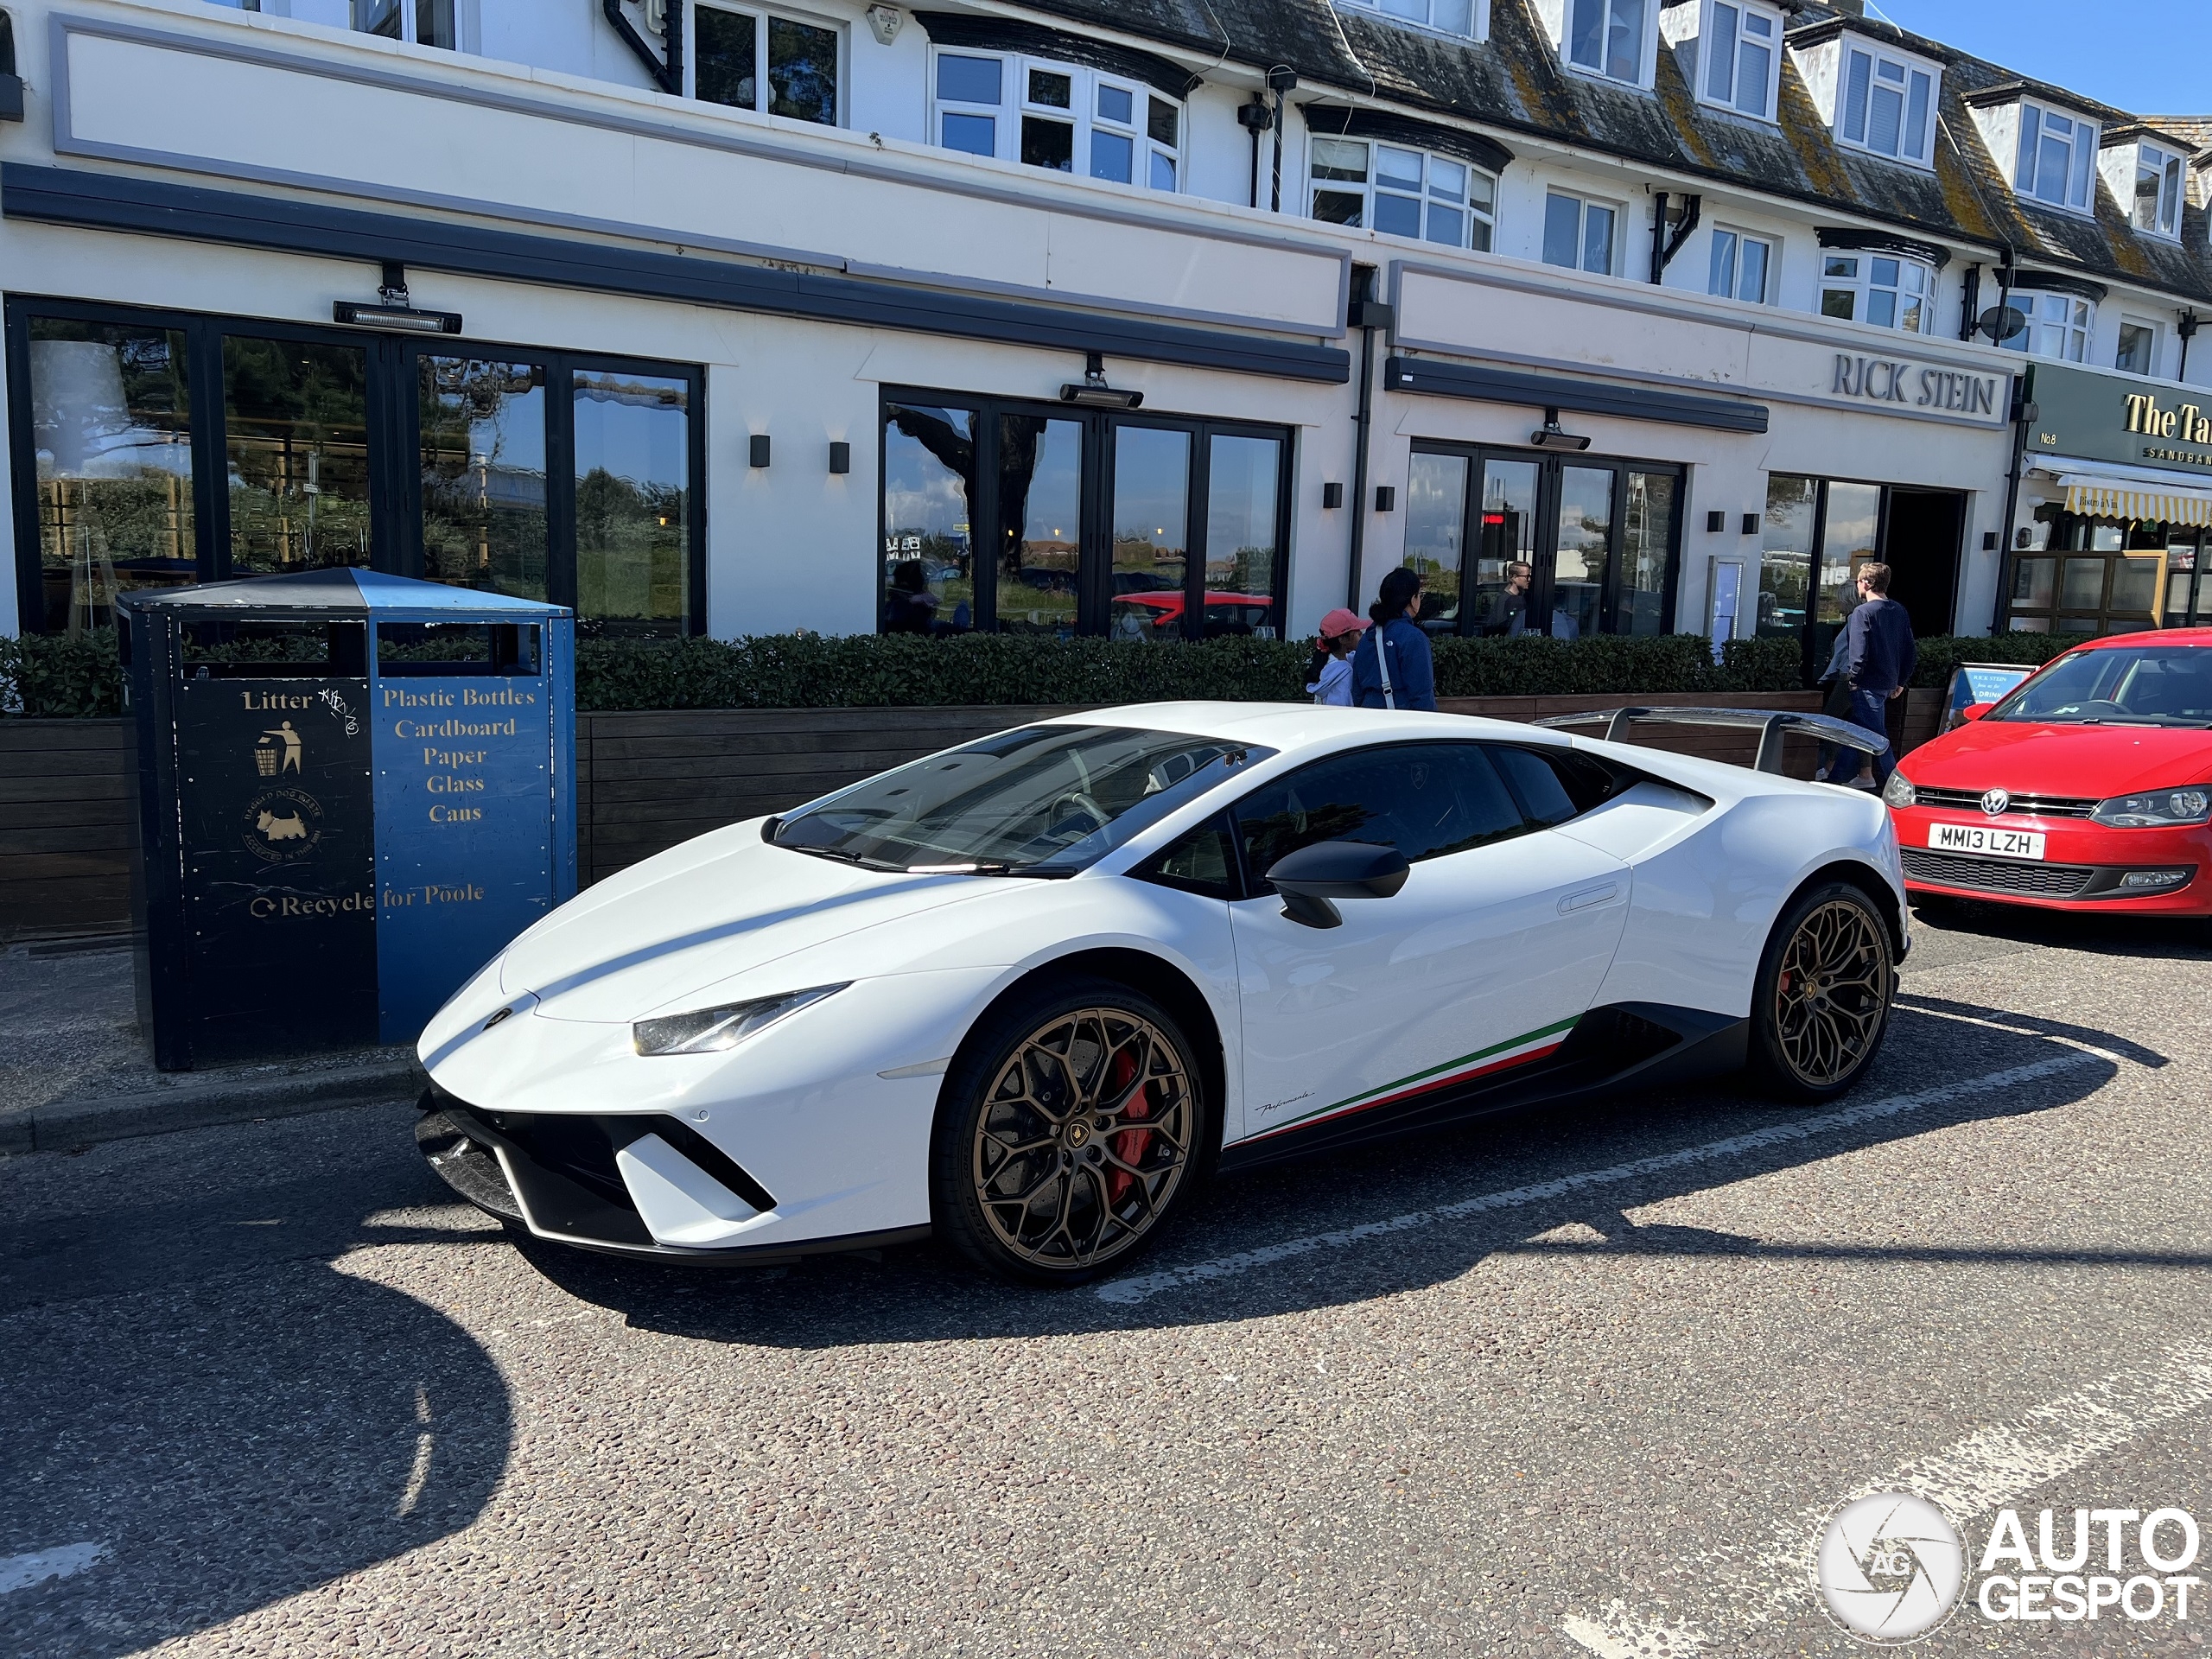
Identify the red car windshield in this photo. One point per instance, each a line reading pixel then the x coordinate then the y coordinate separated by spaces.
pixel 2122 685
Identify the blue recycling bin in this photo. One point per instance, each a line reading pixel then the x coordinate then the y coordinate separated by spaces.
pixel 354 791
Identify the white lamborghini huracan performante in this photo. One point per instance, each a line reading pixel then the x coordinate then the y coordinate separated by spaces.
pixel 1030 993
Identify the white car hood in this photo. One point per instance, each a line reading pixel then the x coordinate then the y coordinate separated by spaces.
pixel 713 908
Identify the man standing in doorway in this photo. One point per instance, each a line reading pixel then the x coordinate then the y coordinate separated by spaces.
pixel 1878 663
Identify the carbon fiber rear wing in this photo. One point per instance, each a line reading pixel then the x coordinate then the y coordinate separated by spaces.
pixel 1772 726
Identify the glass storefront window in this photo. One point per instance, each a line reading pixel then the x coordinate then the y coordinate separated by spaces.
pixel 2034 582
pixel 2134 588
pixel 929 486
pixel 1505 552
pixel 1786 554
pixel 1040 505
pixel 1150 518
pixel 111 436
pixel 634 503
pixel 1436 509
pixel 296 427
pixel 2083 588
pixel 1646 534
pixel 1585 531
pixel 1848 541
pixel 483 441
pixel 1244 499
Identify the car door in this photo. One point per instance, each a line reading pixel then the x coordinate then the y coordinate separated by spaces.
pixel 1482 960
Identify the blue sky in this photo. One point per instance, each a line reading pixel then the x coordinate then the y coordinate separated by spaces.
pixel 2151 57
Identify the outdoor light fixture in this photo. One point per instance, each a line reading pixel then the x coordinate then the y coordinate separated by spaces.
pixel 1713 520
pixel 841 457
pixel 1332 495
pixel 1751 524
pixel 1550 438
pixel 1386 497
pixel 759 455
pixel 393 310
pixel 1093 392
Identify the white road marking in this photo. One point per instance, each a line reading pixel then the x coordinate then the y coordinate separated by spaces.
pixel 67 1560
pixel 1995 1465
pixel 1143 1287
pixel 418 1477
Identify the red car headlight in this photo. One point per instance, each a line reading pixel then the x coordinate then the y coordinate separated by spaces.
pixel 2157 808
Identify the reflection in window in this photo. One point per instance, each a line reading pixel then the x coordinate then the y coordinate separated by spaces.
pixel 426 22
pixel 1890 293
pixel 1436 506
pixel 1786 555
pixel 2138 348
pixel 297 430
pixel 1854 516
pixel 2058 326
pixel 633 495
pixel 110 428
pixel 1149 526
pixel 483 426
pixel 1606 36
pixel 1407 192
pixel 1060 116
pixel 1740 264
pixel 1647 527
pixel 2058 158
pixel 1586 532
pixel 1429 800
pixel 736 52
pixel 929 482
pixel 1243 480
pixel 1505 563
pixel 1579 234
pixel 1040 508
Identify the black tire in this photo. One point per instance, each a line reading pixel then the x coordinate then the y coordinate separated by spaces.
pixel 1072 1126
pixel 1820 1006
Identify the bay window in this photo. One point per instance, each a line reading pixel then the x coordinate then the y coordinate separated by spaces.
pixel 759 60
pixel 2059 325
pixel 1607 37
pixel 1467 19
pixel 1888 104
pixel 1058 116
pixel 1881 289
pixel 1740 47
pixel 1579 235
pixel 1742 266
pixel 2057 159
pixel 1407 192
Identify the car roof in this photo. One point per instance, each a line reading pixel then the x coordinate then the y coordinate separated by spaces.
pixel 1288 725
pixel 2158 636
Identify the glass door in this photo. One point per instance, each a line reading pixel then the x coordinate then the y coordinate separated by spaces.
pixel 1149 521
pixel 1581 545
pixel 1436 516
pixel 1505 549
pixel 1040 518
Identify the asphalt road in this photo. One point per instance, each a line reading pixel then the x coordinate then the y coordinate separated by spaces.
pixel 1591 1387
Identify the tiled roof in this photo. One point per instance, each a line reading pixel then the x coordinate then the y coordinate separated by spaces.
pixel 1515 83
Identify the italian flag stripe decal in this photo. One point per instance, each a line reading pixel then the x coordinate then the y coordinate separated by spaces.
pixel 1499 1056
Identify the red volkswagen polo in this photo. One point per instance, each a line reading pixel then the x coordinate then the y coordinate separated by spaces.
pixel 2089 787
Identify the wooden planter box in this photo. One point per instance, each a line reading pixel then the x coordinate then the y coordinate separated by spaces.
pixel 645 781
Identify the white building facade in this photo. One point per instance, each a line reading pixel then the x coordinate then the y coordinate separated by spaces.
pixel 709 319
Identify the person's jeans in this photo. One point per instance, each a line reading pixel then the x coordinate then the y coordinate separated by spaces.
pixel 1869 710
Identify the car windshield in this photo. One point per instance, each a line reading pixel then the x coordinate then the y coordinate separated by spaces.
pixel 2120 685
pixel 1046 800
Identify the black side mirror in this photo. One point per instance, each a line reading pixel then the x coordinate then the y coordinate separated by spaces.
pixel 1309 878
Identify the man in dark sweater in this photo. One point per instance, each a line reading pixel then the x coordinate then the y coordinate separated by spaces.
pixel 1877 663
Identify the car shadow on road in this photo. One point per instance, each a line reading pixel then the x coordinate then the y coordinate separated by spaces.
pixel 192 1387
pixel 2096 932
pixel 1399 1216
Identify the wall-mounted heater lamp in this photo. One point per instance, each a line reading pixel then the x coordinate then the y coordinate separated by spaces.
pixel 393 309
pixel 1093 392
pixel 1549 436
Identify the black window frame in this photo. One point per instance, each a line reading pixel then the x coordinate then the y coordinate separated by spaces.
pixel 392 413
pixel 1546 529
pixel 1095 558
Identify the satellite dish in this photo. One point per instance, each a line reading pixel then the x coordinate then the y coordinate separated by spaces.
pixel 2002 322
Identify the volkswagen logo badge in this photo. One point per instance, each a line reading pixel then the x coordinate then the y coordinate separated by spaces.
pixel 1994 802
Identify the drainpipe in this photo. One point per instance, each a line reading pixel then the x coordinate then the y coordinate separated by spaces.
pixel 2186 328
pixel 1280 79
pixel 1366 316
pixel 666 67
pixel 2023 415
pixel 1255 118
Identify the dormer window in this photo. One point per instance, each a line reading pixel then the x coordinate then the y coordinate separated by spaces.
pixel 2159 190
pixel 1736 57
pixel 2058 158
pixel 1057 116
pixel 1888 104
pixel 1607 37
pixel 1467 19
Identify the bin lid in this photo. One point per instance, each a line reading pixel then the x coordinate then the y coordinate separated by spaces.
pixel 338 592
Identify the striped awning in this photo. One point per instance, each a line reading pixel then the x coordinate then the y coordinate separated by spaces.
pixel 2101 498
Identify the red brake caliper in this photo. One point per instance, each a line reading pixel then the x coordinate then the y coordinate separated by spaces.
pixel 1128 1144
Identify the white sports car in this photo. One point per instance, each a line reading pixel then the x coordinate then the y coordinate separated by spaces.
pixel 1028 992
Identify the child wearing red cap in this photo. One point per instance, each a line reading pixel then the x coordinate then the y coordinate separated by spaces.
pixel 1328 672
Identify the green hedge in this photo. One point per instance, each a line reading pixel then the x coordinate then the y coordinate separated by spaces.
pixel 52 676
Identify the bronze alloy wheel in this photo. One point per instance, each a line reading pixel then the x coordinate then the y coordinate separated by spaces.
pixel 1830 997
pixel 1083 1139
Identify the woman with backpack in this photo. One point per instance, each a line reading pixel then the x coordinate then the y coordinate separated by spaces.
pixel 1392 668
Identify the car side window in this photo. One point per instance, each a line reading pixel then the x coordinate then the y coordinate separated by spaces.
pixel 1201 861
pixel 1554 785
pixel 1425 799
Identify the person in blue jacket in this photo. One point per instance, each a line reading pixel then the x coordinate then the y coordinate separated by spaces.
pixel 1394 649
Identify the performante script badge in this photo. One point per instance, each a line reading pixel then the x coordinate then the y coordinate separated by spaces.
pixel 1890 1566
